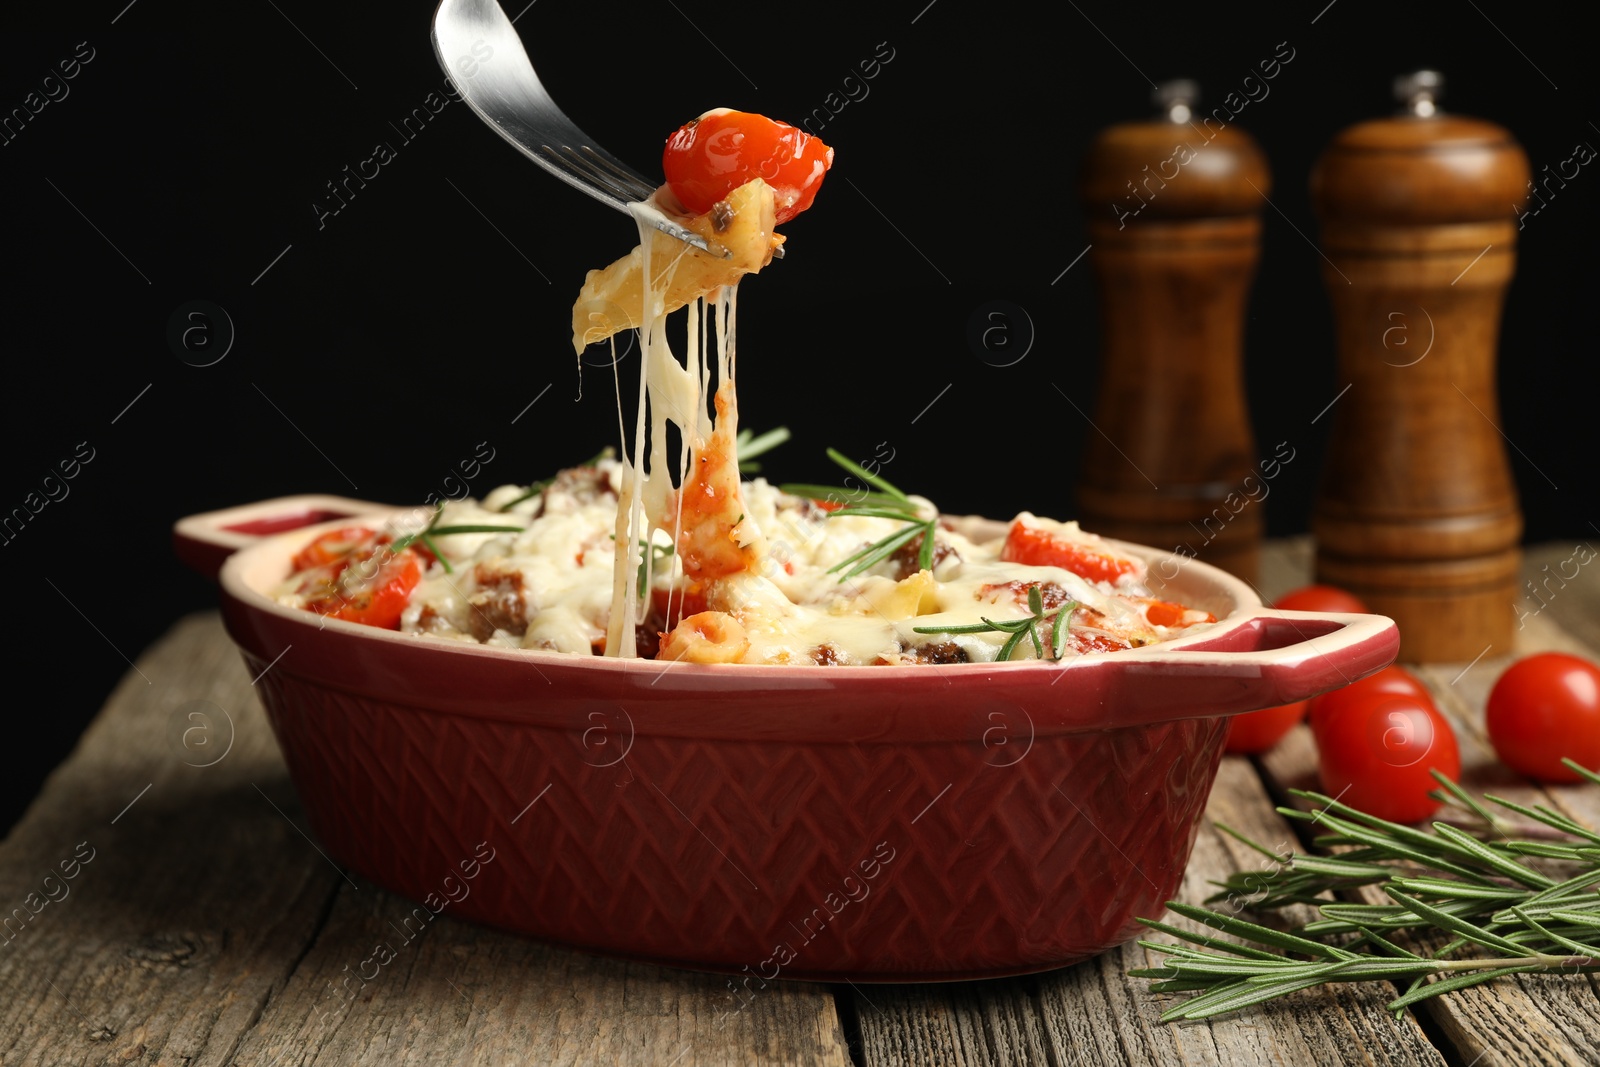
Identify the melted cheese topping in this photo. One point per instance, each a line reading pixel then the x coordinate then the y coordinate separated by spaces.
pixel 553 586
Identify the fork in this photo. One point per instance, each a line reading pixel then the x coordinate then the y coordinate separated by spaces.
pixel 476 36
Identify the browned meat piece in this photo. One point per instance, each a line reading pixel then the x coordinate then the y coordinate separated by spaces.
pixel 575 487
pixel 1050 594
pixel 907 559
pixel 498 604
pixel 826 656
pixel 937 652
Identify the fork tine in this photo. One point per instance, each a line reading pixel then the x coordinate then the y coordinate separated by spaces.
pixel 501 88
pixel 593 168
pixel 630 178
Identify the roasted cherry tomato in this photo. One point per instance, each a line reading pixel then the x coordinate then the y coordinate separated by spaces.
pixel 711 156
pixel 1542 708
pixel 1391 681
pixel 1039 547
pixel 1376 754
pixel 335 546
pixel 1321 598
pixel 371 587
pixel 1257 731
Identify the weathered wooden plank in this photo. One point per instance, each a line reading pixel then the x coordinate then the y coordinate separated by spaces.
pixel 456 993
pixel 961 1024
pixel 169 941
pixel 1537 1019
pixel 201 925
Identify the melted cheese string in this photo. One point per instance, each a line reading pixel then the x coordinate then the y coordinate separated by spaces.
pixel 671 392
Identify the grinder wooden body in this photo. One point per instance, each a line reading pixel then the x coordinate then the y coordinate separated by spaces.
pixel 1174 225
pixel 1417 512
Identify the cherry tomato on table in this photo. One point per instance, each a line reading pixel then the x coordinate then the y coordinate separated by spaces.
pixel 1376 751
pixel 1321 598
pixel 1257 731
pixel 1393 680
pixel 711 156
pixel 1542 708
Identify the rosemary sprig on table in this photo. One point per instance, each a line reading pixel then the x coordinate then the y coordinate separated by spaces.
pixel 887 503
pixel 1017 628
pixel 433 529
pixel 1475 893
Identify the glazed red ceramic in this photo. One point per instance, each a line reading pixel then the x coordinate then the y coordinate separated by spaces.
pixel 866 823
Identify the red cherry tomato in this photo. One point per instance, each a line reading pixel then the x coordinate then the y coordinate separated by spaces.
pixel 1257 731
pixel 1542 708
pixel 372 587
pixel 1321 598
pixel 711 156
pixel 352 573
pixel 335 546
pixel 1391 681
pixel 1039 547
pixel 1376 755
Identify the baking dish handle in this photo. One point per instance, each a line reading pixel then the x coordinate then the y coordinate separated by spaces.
pixel 1268 658
pixel 204 541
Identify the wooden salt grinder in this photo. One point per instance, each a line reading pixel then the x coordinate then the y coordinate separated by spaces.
pixel 1174 224
pixel 1417 513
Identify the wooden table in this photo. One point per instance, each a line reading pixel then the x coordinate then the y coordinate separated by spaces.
pixel 204 928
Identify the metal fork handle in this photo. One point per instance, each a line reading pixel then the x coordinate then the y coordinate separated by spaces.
pixel 483 57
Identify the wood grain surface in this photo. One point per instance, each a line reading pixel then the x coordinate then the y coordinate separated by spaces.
pixel 202 926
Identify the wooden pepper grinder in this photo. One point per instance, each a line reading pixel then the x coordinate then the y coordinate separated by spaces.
pixel 1174 210
pixel 1417 513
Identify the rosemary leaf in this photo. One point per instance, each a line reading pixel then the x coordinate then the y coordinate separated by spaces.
pixel 861 472
pixel 1450 985
pixel 748 445
pixel 1454 923
pixel 1577 947
pixel 875 553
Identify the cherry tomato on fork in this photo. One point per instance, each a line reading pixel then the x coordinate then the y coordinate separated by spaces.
pixel 1544 707
pixel 709 157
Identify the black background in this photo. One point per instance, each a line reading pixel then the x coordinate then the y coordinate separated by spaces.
pixel 425 315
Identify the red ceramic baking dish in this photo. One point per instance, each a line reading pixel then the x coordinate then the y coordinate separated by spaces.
pixel 909 823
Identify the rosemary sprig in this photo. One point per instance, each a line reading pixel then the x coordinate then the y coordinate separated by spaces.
pixel 887 503
pixel 749 444
pixel 1017 628
pixel 433 529
pixel 538 487
pixel 1493 913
